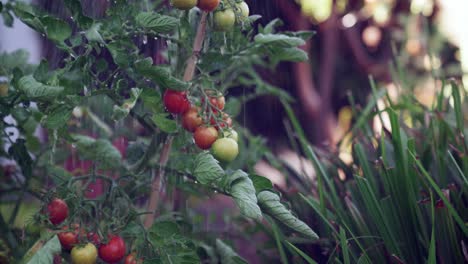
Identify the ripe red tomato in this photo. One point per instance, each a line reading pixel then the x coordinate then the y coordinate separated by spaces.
pixel 68 239
pixel 57 210
pixel 113 251
pixel 84 255
pixel 205 136
pixel 94 238
pixel 224 20
pixel 227 121
pixel 176 102
pixel 191 120
pixel 218 102
pixel 131 259
pixel 208 5
pixel 184 4
pixel 225 149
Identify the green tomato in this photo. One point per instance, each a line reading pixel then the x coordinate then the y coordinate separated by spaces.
pixel 244 10
pixel 184 4
pixel 84 255
pixel 231 133
pixel 225 149
pixel 224 20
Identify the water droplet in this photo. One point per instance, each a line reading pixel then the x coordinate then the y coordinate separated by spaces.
pixel 145 40
pixel 72 18
pixel 73 145
pixel 155 38
pixel 196 182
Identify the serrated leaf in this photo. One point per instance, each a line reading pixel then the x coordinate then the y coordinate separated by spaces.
pixel 279 40
pixel 21 155
pixel 243 192
pixel 227 255
pixel 164 123
pixel 58 116
pixel 207 168
pixel 120 112
pixel 120 52
pixel 261 183
pixel 160 75
pixel 36 90
pixel 270 204
pixel 272 25
pixel 290 54
pixel 100 151
pixel 158 23
pixel 56 29
pixel 45 255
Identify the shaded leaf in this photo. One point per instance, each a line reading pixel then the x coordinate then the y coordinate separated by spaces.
pixel 157 22
pixel 160 75
pixel 164 123
pixel 36 90
pixel 207 168
pixel 227 255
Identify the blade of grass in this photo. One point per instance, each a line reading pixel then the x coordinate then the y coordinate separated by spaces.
pixel 278 240
pixel 292 248
pixel 344 246
pixel 447 203
pixel 432 249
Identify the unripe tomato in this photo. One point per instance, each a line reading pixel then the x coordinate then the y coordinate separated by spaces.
pixel 225 149
pixel 231 133
pixel 131 259
pixel 205 136
pixel 208 5
pixel 68 239
pixel 176 102
pixel 218 102
pixel 57 210
pixel 224 20
pixel 184 4
pixel 3 89
pixel 84 255
pixel 191 120
pixel 113 251
pixel 244 10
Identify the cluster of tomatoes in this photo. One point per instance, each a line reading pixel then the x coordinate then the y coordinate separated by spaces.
pixel 87 253
pixel 211 127
pixel 224 17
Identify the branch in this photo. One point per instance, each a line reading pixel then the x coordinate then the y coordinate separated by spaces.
pixel 163 159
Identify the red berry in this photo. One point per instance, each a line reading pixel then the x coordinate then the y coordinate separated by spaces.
pixel 176 102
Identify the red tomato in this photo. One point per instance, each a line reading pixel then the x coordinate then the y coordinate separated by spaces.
pixel 191 120
pixel 57 210
pixel 176 102
pixel 131 259
pixel 113 251
pixel 94 238
pixel 205 137
pixel 217 100
pixel 69 239
pixel 208 5
pixel 227 121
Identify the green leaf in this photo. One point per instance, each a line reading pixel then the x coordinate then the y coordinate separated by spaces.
pixel 152 99
pixel 261 183
pixel 120 51
pixel 8 19
pixel 207 168
pixel 37 91
pixel 160 75
pixel 20 154
pixel 164 123
pixel 272 25
pixel 227 255
pixel 290 54
pixel 122 111
pixel 242 191
pixel 279 40
pixel 26 13
pixel 300 252
pixel 93 35
pixel 158 23
pixel 100 151
pixel 56 29
pixel 45 255
pixel 270 204
pixel 58 116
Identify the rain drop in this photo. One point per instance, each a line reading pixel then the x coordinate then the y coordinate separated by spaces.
pixel 145 40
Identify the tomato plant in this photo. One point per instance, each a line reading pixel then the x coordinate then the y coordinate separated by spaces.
pixel 121 127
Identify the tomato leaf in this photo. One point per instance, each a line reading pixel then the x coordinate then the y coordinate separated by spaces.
pixel 160 75
pixel 43 254
pixel 100 151
pixel 261 183
pixel 156 22
pixel 227 255
pixel 207 168
pixel 56 29
pixel 165 124
pixel 20 154
pixel 58 116
pixel 278 40
pixel 242 191
pixel 38 91
pixel 270 204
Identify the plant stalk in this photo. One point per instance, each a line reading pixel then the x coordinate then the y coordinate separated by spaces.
pixel 164 158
